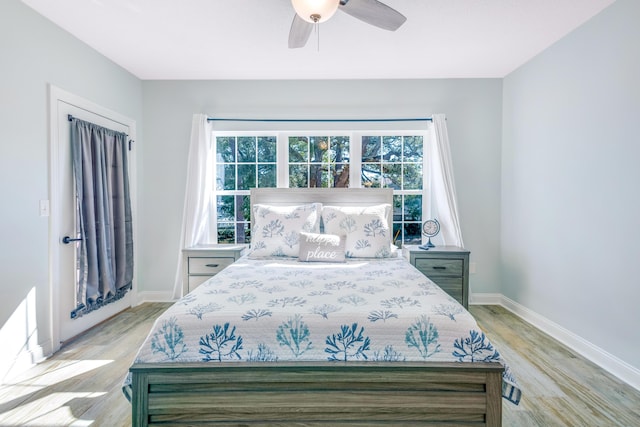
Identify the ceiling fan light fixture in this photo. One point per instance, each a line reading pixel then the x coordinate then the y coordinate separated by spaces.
pixel 315 11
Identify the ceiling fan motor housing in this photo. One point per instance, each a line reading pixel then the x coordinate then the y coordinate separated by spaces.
pixel 315 11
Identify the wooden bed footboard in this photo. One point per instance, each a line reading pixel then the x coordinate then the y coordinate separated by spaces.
pixel 309 394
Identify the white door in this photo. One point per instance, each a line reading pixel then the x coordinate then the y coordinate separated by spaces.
pixel 64 223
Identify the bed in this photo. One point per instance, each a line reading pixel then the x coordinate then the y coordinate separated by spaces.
pixel 348 334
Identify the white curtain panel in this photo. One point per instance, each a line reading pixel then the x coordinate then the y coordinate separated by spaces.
pixel 444 206
pixel 197 214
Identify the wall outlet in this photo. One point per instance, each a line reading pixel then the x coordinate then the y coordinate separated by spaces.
pixel 472 268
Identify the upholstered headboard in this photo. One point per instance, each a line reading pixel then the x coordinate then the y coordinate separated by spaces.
pixel 326 196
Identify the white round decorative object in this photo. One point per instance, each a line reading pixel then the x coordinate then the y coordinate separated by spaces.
pixel 315 11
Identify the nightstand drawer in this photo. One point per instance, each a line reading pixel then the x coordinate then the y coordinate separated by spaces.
pixel 208 266
pixel 451 285
pixel 195 281
pixel 433 267
pixel 456 294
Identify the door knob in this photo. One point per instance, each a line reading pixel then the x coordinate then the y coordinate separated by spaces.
pixel 66 240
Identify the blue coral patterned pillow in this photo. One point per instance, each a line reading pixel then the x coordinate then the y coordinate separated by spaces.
pixel 276 229
pixel 366 229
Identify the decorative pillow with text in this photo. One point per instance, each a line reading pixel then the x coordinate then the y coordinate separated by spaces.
pixel 316 247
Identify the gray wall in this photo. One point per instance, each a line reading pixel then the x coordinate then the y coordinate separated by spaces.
pixel 35 53
pixel 570 197
pixel 473 109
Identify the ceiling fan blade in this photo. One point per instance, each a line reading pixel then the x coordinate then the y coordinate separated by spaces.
pixel 373 12
pixel 299 32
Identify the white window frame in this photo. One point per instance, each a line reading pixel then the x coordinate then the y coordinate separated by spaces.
pixel 355 161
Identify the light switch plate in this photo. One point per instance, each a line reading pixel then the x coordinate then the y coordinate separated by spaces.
pixel 44 208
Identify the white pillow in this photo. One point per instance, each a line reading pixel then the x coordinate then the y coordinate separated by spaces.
pixel 276 229
pixel 366 229
pixel 321 247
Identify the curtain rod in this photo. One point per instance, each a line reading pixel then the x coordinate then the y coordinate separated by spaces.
pixel 416 119
pixel 131 141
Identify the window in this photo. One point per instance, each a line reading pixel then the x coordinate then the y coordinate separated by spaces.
pixel 318 161
pixel 333 159
pixel 397 161
pixel 241 163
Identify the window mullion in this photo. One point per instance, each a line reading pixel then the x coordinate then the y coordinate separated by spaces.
pixel 282 160
pixel 213 202
pixel 355 160
pixel 426 180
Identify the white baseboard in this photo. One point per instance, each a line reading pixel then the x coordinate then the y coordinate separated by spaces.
pixel 142 297
pixel 21 363
pixel 11 367
pixel 600 357
pixel 485 299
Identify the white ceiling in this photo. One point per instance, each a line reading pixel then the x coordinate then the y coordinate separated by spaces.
pixel 247 39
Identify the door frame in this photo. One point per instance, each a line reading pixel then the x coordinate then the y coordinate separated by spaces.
pixel 57 95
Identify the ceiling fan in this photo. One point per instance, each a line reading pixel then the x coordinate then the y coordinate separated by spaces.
pixel 312 12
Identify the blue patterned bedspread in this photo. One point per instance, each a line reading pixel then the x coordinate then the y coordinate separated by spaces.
pixel 283 309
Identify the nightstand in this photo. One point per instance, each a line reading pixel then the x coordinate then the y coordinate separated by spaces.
pixel 199 263
pixel 447 266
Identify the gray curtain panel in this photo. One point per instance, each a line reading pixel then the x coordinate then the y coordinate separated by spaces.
pixel 105 253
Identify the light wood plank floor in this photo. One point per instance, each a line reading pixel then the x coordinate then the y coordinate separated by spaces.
pixel 559 387
pixel 80 385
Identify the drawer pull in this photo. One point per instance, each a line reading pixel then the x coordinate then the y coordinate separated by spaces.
pixel 439 267
pixel 212 265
